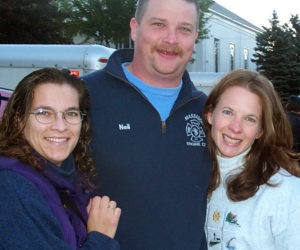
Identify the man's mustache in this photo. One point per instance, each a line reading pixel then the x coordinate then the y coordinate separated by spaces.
pixel 164 48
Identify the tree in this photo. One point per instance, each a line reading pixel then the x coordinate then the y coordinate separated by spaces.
pixel 30 22
pixel 107 21
pixel 295 72
pixel 99 20
pixel 204 9
pixel 277 57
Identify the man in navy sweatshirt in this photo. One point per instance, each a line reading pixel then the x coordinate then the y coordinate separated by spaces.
pixel 148 139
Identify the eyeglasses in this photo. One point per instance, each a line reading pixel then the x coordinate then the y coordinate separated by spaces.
pixel 46 116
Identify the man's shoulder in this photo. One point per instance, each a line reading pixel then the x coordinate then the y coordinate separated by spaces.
pixel 294 115
pixel 114 65
pixel 294 118
pixel 190 86
pixel 93 76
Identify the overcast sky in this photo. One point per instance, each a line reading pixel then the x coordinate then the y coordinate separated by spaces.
pixel 259 11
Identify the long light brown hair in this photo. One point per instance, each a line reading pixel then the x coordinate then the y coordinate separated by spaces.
pixel 268 153
pixel 12 141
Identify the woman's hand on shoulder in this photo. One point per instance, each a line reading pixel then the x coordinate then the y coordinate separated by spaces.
pixel 103 216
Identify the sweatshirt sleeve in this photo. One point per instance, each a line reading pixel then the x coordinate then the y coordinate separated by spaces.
pixel 289 222
pixel 96 240
pixel 292 239
pixel 26 222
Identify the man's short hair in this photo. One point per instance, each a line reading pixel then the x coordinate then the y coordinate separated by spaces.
pixel 142 5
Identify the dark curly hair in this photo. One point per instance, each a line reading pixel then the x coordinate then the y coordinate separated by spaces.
pixel 268 153
pixel 16 113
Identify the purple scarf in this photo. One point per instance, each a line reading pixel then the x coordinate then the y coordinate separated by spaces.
pixel 50 183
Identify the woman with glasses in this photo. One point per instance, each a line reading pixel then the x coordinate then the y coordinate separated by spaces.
pixel 45 169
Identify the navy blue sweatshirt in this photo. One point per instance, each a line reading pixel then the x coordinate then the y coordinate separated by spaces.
pixel 158 172
pixel 32 215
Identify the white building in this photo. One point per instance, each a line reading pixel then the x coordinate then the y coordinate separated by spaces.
pixel 230 44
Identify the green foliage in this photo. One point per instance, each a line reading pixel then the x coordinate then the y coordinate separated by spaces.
pixel 30 22
pixel 278 55
pixel 107 21
pixel 204 9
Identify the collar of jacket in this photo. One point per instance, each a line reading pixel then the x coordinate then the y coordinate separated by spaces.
pixel 114 67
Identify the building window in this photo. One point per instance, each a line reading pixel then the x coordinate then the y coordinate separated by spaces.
pixel 232 55
pixel 246 58
pixel 217 53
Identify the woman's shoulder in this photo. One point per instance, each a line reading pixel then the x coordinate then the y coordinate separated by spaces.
pixel 11 178
pixel 286 182
pixel 20 194
pixel 13 183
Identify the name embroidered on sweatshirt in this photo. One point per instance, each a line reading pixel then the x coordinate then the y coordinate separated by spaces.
pixel 124 127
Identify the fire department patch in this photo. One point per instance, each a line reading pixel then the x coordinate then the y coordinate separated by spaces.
pixel 194 130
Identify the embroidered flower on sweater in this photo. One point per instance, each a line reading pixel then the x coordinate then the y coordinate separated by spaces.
pixel 232 219
pixel 216 216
